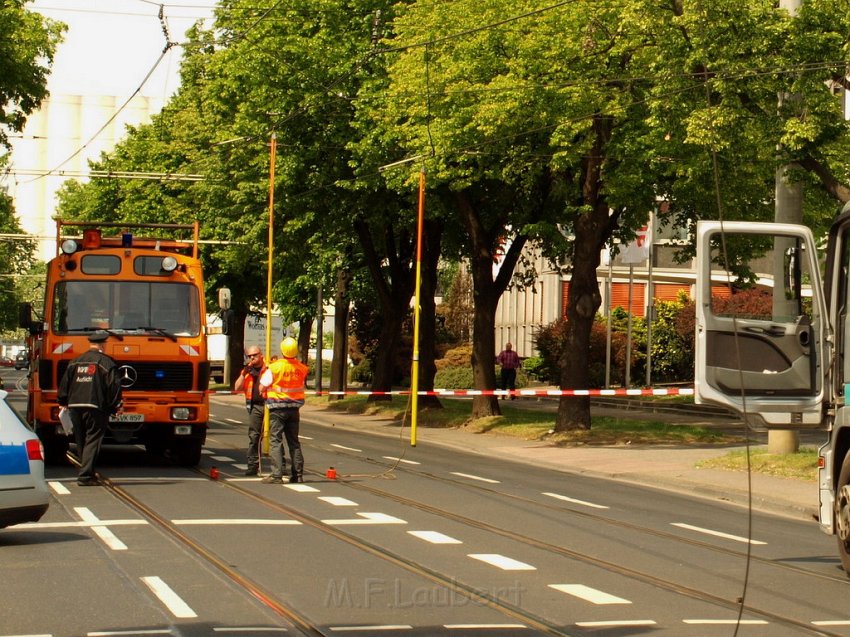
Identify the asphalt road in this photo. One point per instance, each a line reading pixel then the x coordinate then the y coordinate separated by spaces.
pixel 425 540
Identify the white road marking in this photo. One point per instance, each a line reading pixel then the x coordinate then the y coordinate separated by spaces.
pixel 343 629
pixel 207 452
pixel 338 502
pixel 167 596
pixel 737 538
pixel 300 487
pixel 625 622
pixel 101 531
pixel 241 467
pixel 834 622
pixel 58 487
pixel 394 459
pixel 61 525
pixel 367 518
pixel 222 458
pixel 502 562
pixel 346 448
pixel 113 633
pixel 236 521
pixel 588 594
pixel 434 537
pixel 233 420
pixel 558 496
pixel 491 626
pixel 130 633
pixel 726 622
pixel 248 629
pixel 472 477
pixel 301 437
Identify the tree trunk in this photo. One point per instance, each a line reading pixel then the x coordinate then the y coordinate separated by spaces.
pixel 305 329
pixel 394 291
pixel 484 245
pixel 339 366
pixel 433 231
pixel 592 230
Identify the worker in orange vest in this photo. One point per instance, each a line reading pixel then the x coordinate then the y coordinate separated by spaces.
pixel 283 384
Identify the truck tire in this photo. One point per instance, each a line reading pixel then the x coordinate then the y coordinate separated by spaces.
pixel 842 513
pixel 187 453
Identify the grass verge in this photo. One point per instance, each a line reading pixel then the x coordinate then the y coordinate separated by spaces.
pixel 802 465
pixel 529 422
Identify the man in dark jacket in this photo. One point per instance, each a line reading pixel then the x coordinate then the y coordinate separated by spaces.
pixel 91 390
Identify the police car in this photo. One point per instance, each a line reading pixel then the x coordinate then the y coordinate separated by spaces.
pixel 23 491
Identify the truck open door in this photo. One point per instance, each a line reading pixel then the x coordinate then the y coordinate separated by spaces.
pixel 762 328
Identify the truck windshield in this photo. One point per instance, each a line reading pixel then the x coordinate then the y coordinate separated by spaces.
pixel 82 306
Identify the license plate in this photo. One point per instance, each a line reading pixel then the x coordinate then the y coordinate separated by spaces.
pixel 127 418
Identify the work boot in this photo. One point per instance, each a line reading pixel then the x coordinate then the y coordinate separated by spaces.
pixel 272 480
pixel 295 479
pixel 252 471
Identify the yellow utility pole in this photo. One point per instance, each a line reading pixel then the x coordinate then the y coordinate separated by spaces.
pixel 414 375
pixel 269 281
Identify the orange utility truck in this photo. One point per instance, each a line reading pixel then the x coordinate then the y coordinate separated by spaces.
pixel 148 294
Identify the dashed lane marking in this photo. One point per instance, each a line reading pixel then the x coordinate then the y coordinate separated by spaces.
pixel 78 524
pixel 589 594
pixel 235 522
pixel 222 458
pixel 103 532
pixel 502 562
pixel 346 448
pixel 129 633
pixel 472 477
pixel 300 487
pixel 338 502
pixel 394 459
pixel 483 626
pixel 58 487
pixel 167 596
pixel 616 623
pixel 366 518
pixel 736 538
pixel 434 537
pixel 558 496
pixel 726 622
pixel 350 629
pixel 832 622
pixel 234 421
pixel 248 629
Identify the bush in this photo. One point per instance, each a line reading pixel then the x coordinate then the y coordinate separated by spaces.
pixel 456 357
pixel 453 378
pixel 362 372
pixel 535 367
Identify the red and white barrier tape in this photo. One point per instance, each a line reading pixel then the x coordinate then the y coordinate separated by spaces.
pixel 682 391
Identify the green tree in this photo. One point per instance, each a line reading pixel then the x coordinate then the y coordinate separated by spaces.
pixel 28 42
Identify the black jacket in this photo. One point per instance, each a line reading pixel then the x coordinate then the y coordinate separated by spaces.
pixel 91 381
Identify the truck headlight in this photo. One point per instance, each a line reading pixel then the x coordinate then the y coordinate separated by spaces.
pixel 182 413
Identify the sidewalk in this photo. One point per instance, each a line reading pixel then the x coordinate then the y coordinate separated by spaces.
pixel 669 467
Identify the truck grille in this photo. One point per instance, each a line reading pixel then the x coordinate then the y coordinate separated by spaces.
pixel 151 376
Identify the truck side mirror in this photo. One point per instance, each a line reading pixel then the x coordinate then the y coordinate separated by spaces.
pixel 26 321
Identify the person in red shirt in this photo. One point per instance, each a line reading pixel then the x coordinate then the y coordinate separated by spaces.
pixel 509 360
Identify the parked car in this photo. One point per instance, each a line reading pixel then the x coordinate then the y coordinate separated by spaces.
pixel 6 362
pixel 22 360
pixel 23 492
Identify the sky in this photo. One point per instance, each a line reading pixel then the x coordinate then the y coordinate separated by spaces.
pixel 111 45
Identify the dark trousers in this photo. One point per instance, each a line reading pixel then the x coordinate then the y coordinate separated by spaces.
pixel 285 423
pixel 255 435
pixel 89 429
pixel 508 379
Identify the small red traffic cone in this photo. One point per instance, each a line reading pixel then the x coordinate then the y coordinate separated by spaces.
pixel 331 474
pixel 214 473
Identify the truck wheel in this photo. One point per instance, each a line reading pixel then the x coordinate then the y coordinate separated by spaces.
pixel 842 513
pixel 187 453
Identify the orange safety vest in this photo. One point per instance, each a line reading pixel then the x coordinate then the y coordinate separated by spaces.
pixel 248 385
pixel 287 386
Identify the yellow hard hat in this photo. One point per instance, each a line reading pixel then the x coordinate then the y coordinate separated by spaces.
pixel 289 347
